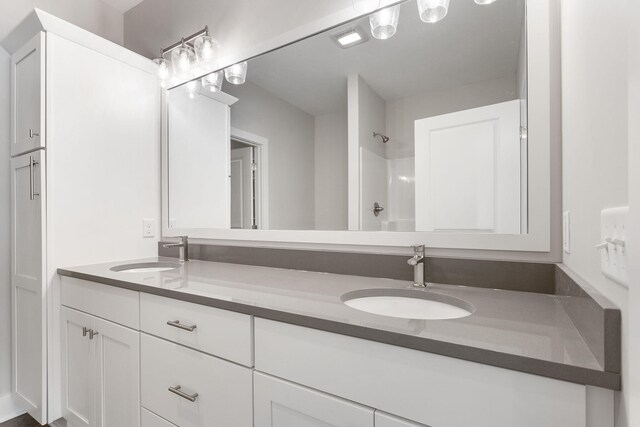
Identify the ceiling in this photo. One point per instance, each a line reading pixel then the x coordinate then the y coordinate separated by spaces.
pixel 472 44
pixel 102 17
pixel 122 5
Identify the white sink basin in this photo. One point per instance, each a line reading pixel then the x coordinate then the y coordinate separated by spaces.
pixel 146 267
pixel 408 304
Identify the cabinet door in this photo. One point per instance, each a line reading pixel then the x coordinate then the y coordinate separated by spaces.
pixel 118 361
pixel 78 368
pixel 386 420
pixel 278 403
pixel 27 94
pixel 28 284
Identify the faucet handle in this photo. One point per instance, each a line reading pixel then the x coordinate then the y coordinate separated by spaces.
pixel 418 249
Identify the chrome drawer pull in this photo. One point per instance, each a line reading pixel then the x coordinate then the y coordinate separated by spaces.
pixel 177 324
pixel 189 397
pixel 85 331
pixel 92 333
pixel 32 133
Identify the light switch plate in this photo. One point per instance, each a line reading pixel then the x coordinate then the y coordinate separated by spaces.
pixel 613 249
pixel 566 232
pixel 148 227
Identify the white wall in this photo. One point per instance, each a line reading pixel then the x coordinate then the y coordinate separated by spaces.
pixel 371 118
pixel 290 132
pixel 595 144
pixel 331 171
pixel 371 112
pixel 92 15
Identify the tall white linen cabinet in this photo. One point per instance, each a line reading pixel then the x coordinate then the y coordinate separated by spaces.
pixel 85 148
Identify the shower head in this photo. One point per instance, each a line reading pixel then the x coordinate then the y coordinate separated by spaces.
pixel 385 138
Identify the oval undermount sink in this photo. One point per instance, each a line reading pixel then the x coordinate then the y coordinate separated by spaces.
pixel 408 304
pixel 146 267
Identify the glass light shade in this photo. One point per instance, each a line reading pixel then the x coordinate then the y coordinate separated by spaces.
pixel 236 74
pixel 164 71
pixel 483 2
pixel 365 6
pixel 384 22
pixel 213 81
pixel 207 49
pixel 182 59
pixel 191 88
pixel 432 10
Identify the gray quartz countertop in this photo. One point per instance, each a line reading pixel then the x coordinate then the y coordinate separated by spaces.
pixel 521 331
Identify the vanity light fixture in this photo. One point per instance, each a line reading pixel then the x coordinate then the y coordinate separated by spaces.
pixel 384 23
pixel 213 81
pixel 191 88
pixel 207 49
pixel 182 59
pixel 164 69
pixel 349 38
pixel 197 49
pixel 483 2
pixel 433 10
pixel 237 73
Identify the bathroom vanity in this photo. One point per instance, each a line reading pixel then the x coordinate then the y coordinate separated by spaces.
pixel 206 343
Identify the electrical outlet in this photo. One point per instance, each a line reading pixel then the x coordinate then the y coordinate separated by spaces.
pixel 613 246
pixel 566 233
pixel 148 227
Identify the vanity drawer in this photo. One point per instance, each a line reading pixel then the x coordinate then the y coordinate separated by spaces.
pixel 149 419
pixel 427 388
pixel 224 390
pixel 222 333
pixel 108 302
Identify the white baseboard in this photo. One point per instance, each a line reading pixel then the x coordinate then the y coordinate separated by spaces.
pixel 9 409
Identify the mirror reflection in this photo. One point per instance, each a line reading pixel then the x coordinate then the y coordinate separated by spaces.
pixel 391 122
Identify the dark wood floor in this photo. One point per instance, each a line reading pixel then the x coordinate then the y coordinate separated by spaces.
pixel 21 421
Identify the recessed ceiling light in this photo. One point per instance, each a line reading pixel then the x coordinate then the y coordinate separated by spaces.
pixel 349 38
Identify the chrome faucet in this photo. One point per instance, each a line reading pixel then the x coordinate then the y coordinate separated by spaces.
pixel 183 244
pixel 417 261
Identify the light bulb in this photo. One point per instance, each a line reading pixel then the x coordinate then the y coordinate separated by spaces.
pixel 213 81
pixel 433 10
pixel 237 73
pixel 384 23
pixel 483 2
pixel 206 49
pixel 164 72
pixel 365 6
pixel 182 59
pixel 191 88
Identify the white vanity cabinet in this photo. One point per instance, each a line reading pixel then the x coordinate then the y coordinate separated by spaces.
pixel 202 373
pixel 278 403
pixel 100 365
pixel 422 387
pixel 93 107
pixel 28 290
pixel 28 96
pixel 386 420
